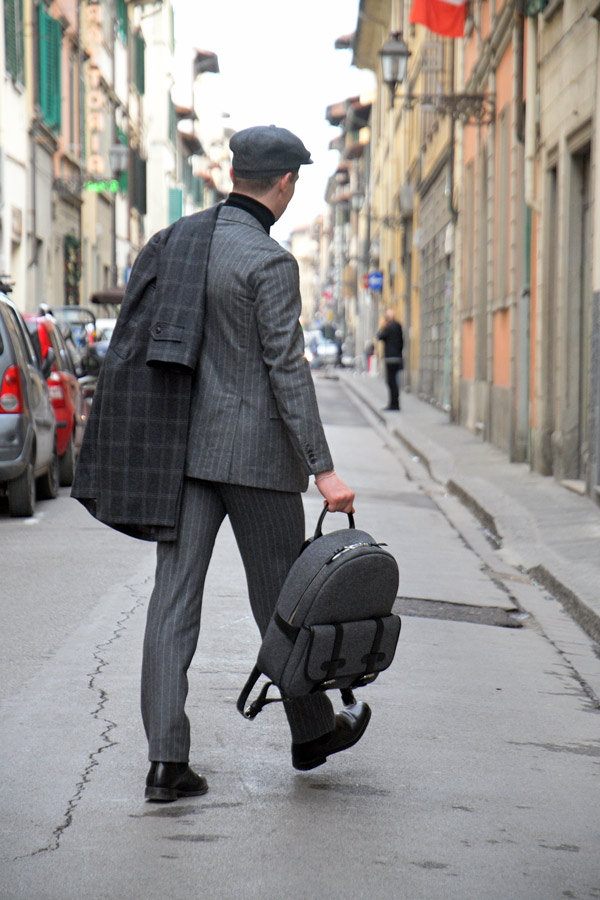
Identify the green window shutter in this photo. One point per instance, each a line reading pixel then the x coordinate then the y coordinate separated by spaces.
pixel 198 191
pixel 139 63
pixel 122 24
pixel 49 86
pixel 138 191
pixel 13 40
pixel 175 204
pixel 187 175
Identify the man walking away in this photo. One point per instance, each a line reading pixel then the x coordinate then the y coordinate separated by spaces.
pixel 390 332
pixel 211 318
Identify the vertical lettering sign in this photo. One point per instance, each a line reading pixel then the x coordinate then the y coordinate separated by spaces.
pixel 95 95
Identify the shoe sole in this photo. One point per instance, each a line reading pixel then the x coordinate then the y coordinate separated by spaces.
pixel 319 760
pixel 168 795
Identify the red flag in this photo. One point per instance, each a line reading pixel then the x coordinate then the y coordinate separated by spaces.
pixel 445 17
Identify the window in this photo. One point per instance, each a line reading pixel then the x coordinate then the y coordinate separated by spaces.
pixel 13 40
pixel 49 86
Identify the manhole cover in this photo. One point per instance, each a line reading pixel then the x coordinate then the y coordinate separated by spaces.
pixel 459 612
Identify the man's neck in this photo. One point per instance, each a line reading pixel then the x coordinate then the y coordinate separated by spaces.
pixel 257 209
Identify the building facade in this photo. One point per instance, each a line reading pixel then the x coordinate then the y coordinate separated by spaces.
pixel 485 222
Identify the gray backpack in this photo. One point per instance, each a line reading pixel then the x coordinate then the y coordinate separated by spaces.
pixel 333 626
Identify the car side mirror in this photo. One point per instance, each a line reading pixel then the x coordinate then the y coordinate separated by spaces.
pixel 48 362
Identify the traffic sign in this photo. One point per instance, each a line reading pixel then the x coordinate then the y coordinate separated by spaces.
pixel 375 281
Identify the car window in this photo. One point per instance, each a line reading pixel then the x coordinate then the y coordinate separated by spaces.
pixel 62 354
pixel 22 340
pixel 51 332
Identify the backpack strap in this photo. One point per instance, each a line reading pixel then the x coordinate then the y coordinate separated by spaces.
pixel 369 659
pixel 261 701
pixel 374 655
pixel 332 665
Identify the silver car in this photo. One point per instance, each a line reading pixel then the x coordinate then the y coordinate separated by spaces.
pixel 27 422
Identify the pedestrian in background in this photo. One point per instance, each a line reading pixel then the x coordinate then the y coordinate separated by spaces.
pixel 390 332
pixel 228 426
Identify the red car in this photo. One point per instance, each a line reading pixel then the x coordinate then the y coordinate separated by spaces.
pixel 65 392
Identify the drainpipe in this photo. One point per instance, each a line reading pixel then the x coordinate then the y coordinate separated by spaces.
pixel 530 114
pixel 531 205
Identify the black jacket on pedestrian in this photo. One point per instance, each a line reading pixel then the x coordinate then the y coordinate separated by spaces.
pixel 393 339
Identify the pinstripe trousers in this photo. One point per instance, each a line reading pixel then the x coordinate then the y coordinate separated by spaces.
pixel 269 530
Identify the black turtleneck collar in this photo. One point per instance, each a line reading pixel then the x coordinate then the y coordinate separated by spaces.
pixel 260 212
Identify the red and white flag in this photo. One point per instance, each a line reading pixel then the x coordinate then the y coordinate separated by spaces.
pixel 445 17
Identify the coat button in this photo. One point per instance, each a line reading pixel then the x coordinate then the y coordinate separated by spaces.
pixel 157 329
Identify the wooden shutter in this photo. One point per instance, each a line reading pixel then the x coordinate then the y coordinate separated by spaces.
pixel 13 40
pixel 49 87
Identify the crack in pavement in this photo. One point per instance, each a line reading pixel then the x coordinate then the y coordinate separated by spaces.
pixel 98 713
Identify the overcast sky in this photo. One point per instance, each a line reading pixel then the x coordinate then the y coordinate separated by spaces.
pixel 277 65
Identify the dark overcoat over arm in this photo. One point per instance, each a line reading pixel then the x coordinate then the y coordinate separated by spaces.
pixel 130 469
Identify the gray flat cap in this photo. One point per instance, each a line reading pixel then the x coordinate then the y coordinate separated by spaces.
pixel 265 150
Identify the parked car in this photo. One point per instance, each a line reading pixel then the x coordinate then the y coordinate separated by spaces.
pixel 104 329
pixel 28 453
pixel 66 394
pixel 81 322
pixel 319 350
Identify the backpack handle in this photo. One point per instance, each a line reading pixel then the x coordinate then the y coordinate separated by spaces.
pixel 318 529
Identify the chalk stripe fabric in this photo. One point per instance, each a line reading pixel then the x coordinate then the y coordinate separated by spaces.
pixel 269 529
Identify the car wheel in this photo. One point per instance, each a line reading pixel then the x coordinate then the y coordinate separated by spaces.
pixel 47 485
pixel 66 465
pixel 21 493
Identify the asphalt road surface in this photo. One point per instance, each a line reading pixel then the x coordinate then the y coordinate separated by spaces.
pixel 478 776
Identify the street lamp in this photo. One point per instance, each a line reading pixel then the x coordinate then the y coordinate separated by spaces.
pixel 394 61
pixel 474 108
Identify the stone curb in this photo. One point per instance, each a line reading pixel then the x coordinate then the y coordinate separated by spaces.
pixel 476 496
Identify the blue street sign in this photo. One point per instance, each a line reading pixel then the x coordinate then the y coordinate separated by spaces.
pixel 375 281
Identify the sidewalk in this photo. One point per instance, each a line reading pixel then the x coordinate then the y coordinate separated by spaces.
pixel 549 532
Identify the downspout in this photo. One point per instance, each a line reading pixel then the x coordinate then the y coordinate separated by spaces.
pixel 530 114
pixel 531 205
pixel 449 276
pixel 33 262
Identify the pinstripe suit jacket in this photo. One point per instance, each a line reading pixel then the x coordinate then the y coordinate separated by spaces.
pixel 255 419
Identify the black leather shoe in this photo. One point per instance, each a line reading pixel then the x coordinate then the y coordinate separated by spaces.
pixel 167 781
pixel 391 409
pixel 350 725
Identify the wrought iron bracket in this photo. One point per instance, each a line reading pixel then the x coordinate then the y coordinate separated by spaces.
pixel 471 109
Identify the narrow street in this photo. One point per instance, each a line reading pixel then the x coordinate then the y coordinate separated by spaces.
pixel 477 778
